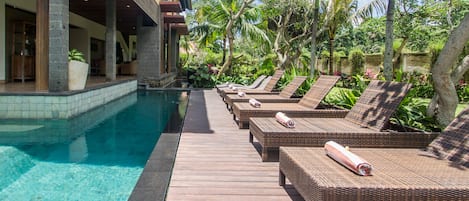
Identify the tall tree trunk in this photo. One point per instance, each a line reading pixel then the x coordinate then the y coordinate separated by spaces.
pixel 331 56
pixel 447 100
pixel 388 65
pixel 224 50
pixel 229 60
pixel 456 75
pixel 230 36
pixel 313 37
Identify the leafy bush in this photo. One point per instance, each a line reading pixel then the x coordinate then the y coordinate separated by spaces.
pixel 200 77
pixel 357 60
pixel 412 113
pixel 342 97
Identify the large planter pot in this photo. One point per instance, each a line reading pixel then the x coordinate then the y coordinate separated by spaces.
pixel 77 75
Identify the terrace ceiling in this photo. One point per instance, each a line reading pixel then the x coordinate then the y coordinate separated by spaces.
pixel 95 10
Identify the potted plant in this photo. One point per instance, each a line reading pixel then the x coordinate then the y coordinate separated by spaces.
pixel 77 70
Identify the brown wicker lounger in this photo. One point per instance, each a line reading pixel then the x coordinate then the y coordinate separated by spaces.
pixel 284 96
pixel 439 173
pixel 364 126
pixel 307 106
pixel 268 89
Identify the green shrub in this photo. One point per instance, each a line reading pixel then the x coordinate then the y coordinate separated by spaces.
pixel 200 77
pixel 357 60
pixel 412 113
pixel 342 97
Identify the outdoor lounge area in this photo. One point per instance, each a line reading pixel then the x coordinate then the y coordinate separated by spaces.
pixel 215 161
pixel 236 100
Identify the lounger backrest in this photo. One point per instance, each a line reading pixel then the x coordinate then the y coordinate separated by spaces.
pixel 290 89
pixel 453 143
pixel 377 103
pixel 257 82
pixel 318 91
pixel 264 83
pixel 275 78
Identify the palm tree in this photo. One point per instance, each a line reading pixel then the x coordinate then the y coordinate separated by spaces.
pixel 313 36
pixel 388 54
pixel 338 12
pixel 230 19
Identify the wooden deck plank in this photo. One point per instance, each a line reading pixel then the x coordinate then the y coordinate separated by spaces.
pixel 215 161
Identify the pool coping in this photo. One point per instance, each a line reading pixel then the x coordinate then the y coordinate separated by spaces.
pixel 153 183
pixel 66 93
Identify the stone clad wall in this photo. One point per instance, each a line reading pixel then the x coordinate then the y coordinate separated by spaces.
pixel 410 61
pixel 60 106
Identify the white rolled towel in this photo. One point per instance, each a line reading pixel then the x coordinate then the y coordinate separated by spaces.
pixel 241 93
pixel 347 158
pixel 254 102
pixel 284 120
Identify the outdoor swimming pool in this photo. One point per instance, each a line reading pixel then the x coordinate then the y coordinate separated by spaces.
pixel 95 156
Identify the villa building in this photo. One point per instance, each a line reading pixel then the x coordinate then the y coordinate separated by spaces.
pixel 118 37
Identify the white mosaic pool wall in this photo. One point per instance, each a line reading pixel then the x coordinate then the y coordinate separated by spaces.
pixel 60 106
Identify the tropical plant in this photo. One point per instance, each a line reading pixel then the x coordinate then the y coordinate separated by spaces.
pixel 412 113
pixel 228 19
pixel 342 97
pixel 75 55
pixel 200 77
pixel 338 13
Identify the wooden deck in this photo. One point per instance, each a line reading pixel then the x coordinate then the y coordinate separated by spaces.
pixel 215 161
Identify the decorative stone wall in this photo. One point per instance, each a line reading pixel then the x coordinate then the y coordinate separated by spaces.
pixel 60 105
pixel 419 62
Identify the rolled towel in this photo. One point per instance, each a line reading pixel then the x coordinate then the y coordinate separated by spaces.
pixel 231 86
pixel 284 120
pixel 254 102
pixel 241 93
pixel 234 88
pixel 348 159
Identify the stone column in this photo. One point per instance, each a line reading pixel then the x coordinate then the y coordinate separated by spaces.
pixel 110 40
pixel 58 45
pixel 173 47
pixel 2 42
pixel 42 45
pixel 148 52
pixel 178 59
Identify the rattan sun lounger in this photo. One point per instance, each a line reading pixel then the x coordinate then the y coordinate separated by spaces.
pixel 306 106
pixel 441 172
pixel 268 89
pixel 366 125
pixel 253 85
pixel 284 96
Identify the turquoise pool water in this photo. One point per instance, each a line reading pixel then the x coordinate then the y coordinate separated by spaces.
pixel 96 156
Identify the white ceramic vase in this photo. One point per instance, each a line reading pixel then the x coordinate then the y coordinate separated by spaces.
pixel 77 75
